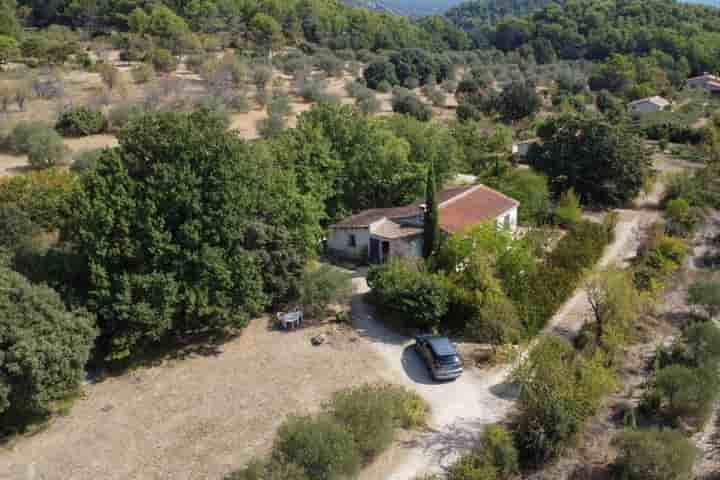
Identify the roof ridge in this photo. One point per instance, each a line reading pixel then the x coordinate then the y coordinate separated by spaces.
pixel 460 195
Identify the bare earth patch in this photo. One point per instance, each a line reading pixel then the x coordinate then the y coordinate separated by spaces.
pixel 196 418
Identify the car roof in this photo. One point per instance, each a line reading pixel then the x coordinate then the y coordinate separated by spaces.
pixel 441 346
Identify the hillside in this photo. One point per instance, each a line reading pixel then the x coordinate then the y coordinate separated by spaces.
pixel 406 7
pixel 480 12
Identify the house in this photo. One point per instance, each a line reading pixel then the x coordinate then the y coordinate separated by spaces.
pixel 648 105
pixel 521 149
pixel 381 233
pixel 708 82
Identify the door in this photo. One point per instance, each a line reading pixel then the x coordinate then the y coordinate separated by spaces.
pixel 385 251
pixel 374 256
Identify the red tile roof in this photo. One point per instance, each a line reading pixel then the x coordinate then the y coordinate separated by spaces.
pixel 478 205
pixel 368 217
pixel 459 207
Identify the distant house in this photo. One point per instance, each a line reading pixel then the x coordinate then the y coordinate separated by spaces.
pixel 521 149
pixel 706 81
pixel 381 233
pixel 648 105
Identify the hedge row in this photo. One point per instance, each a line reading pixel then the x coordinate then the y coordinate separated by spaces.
pixel 355 426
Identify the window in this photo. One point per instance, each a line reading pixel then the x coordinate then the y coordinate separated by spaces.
pixel 352 241
pixel 507 221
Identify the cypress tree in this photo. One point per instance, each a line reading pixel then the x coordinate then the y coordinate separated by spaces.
pixel 431 224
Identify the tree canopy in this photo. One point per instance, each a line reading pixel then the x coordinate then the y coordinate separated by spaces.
pixel 185 229
pixel 604 163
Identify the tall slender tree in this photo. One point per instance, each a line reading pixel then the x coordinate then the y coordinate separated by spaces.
pixel 431 226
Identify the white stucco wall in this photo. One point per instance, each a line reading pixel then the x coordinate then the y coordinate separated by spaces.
pixel 339 241
pixel 512 216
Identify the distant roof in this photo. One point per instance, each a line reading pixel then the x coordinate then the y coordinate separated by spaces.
pixel 460 208
pixel 656 100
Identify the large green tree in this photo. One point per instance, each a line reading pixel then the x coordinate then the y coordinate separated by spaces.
pixel 43 349
pixel 604 163
pixel 184 229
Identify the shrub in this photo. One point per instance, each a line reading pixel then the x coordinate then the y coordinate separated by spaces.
pixel 121 115
pixel 270 470
pixel 17 140
pixel 417 297
pixel 46 149
pixel 702 344
pixel 411 105
pixel 686 392
pixel 44 349
pixel 261 76
pixel 659 256
pixel 279 105
pixel 437 97
pixel 383 87
pixel 271 127
pixel 312 89
pixel 705 294
pixel 355 89
pixel 18 228
pixel 322 447
pixel 654 455
pixel 472 466
pixel 85 160
pixel 559 389
pixel 568 210
pixel 81 121
pixel 163 60
pixel 368 416
pixel 496 445
pixel 322 286
pixel 42 194
pixel 143 73
pixel 369 104
pixel 681 219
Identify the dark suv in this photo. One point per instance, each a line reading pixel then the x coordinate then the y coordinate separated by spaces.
pixel 440 356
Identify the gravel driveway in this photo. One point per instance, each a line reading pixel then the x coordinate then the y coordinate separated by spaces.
pixel 461 409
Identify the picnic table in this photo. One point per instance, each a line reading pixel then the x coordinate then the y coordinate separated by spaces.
pixel 290 320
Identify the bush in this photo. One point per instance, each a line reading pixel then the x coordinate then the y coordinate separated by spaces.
pixel 383 87
pixel 42 194
pixel 686 392
pixel 81 121
pixel 322 447
pixel 322 286
pixel 411 105
pixel 418 298
pixel 369 104
pixel 44 348
pixel 472 467
pixel 17 140
pixel 705 294
pixel 46 149
pixel 496 445
pixel 437 97
pixel 658 257
pixel 312 90
pixel 162 60
pixel 271 127
pixel 654 455
pixel 559 389
pixel 271 470
pixel 85 160
pixel 18 228
pixel 121 115
pixel 143 73
pixel 279 105
pixel 568 211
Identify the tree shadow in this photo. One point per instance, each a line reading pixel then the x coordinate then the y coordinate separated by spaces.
pixel 506 391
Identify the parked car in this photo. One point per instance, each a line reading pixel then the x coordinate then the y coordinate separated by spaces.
pixel 440 355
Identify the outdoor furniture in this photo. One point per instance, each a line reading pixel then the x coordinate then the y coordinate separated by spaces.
pixel 290 320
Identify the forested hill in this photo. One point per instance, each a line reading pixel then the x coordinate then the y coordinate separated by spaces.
pixel 679 36
pixel 481 12
pixel 413 8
